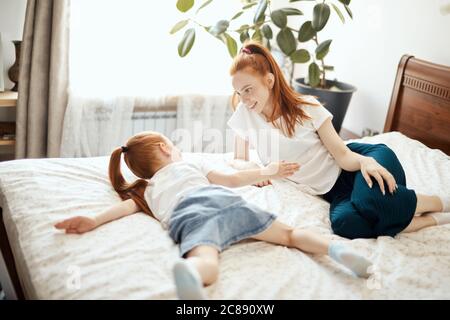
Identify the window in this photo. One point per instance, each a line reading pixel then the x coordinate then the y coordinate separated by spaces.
pixel 123 47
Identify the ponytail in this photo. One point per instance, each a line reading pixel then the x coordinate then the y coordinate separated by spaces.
pixel 125 190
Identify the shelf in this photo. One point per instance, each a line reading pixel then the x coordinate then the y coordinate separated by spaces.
pixel 7 142
pixel 8 99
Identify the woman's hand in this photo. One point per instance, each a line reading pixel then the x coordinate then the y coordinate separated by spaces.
pixel 77 224
pixel 280 170
pixel 370 167
pixel 263 183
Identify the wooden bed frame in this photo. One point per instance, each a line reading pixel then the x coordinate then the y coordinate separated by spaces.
pixel 419 108
pixel 420 103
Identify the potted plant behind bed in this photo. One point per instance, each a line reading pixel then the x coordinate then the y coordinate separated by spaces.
pixel 333 94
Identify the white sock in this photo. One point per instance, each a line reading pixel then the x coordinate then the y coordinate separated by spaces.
pixel 188 282
pixel 440 217
pixel 445 203
pixel 346 256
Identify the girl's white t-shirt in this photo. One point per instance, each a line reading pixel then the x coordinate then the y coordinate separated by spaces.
pixel 318 171
pixel 171 183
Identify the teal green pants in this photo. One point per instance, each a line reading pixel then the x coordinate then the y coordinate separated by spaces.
pixel 357 211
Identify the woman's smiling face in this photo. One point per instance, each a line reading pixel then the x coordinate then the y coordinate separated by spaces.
pixel 253 90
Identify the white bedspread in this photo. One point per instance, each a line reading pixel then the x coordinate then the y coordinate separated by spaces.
pixel 131 258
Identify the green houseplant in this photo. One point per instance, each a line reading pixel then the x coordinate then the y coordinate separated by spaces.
pixel 292 42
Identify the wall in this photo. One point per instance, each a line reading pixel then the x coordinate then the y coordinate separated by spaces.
pixel 366 50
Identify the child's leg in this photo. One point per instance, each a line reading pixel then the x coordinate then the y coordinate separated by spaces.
pixel 311 242
pixel 201 267
pixel 206 260
pixel 304 240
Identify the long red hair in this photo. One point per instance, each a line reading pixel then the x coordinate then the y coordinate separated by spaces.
pixel 142 159
pixel 256 58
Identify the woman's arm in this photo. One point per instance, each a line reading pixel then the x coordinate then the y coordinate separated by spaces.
pixel 81 224
pixel 241 149
pixel 275 170
pixel 352 161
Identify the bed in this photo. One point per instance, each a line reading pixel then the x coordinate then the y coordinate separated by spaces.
pixel 131 258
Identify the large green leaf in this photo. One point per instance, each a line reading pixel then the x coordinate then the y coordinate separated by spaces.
pixel 339 13
pixel 306 32
pixel 286 41
pixel 300 56
pixel 187 42
pixel 244 27
pixel 260 11
pixel 180 25
pixel 231 45
pixel 184 5
pixel 267 31
pixel 345 2
pixel 321 13
pixel 349 11
pixel 244 36
pixel 322 49
pixel 220 27
pixel 204 5
pixel 257 35
pixel 291 12
pixel 279 18
pixel 313 74
pixel 237 15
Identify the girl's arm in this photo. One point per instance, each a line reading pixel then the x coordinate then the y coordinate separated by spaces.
pixel 275 170
pixel 81 224
pixel 352 161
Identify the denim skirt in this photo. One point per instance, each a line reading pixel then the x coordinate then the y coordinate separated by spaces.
pixel 217 217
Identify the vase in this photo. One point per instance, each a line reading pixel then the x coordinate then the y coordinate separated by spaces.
pixel 13 72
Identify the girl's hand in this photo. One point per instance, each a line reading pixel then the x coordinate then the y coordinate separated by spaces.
pixel 280 170
pixel 370 167
pixel 77 225
pixel 263 183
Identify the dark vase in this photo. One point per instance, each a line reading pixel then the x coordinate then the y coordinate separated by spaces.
pixel 335 101
pixel 13 72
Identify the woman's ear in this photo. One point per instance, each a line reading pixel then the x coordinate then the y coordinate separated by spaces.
pixel 270 78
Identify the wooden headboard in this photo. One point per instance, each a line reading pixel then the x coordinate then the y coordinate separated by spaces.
pixel 420 103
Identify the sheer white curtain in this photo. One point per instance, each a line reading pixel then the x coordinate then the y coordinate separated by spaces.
pixel 122 49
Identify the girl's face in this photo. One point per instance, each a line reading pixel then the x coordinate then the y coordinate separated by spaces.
pixel 254 91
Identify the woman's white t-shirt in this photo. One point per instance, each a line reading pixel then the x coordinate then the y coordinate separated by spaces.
pixel 318 171
pixel 171 183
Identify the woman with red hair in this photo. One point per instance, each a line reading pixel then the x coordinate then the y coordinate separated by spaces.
pixel 365 184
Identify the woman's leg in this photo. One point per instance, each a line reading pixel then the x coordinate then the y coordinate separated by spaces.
pixel 420 222
pixel 428 204
pixel 432 204
pixel 390 213
pixel 310 242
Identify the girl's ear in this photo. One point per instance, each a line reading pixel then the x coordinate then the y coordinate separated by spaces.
pixel 270 78
pixel 165 148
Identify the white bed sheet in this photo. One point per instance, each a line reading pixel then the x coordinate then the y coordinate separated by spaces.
pixel 131 258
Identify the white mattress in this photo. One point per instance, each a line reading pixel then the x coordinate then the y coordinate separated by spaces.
pixel 131 258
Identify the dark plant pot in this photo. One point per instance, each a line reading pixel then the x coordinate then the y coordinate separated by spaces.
pixel 335 101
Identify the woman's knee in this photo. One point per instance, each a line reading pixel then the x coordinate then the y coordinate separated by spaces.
pixel 351 227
